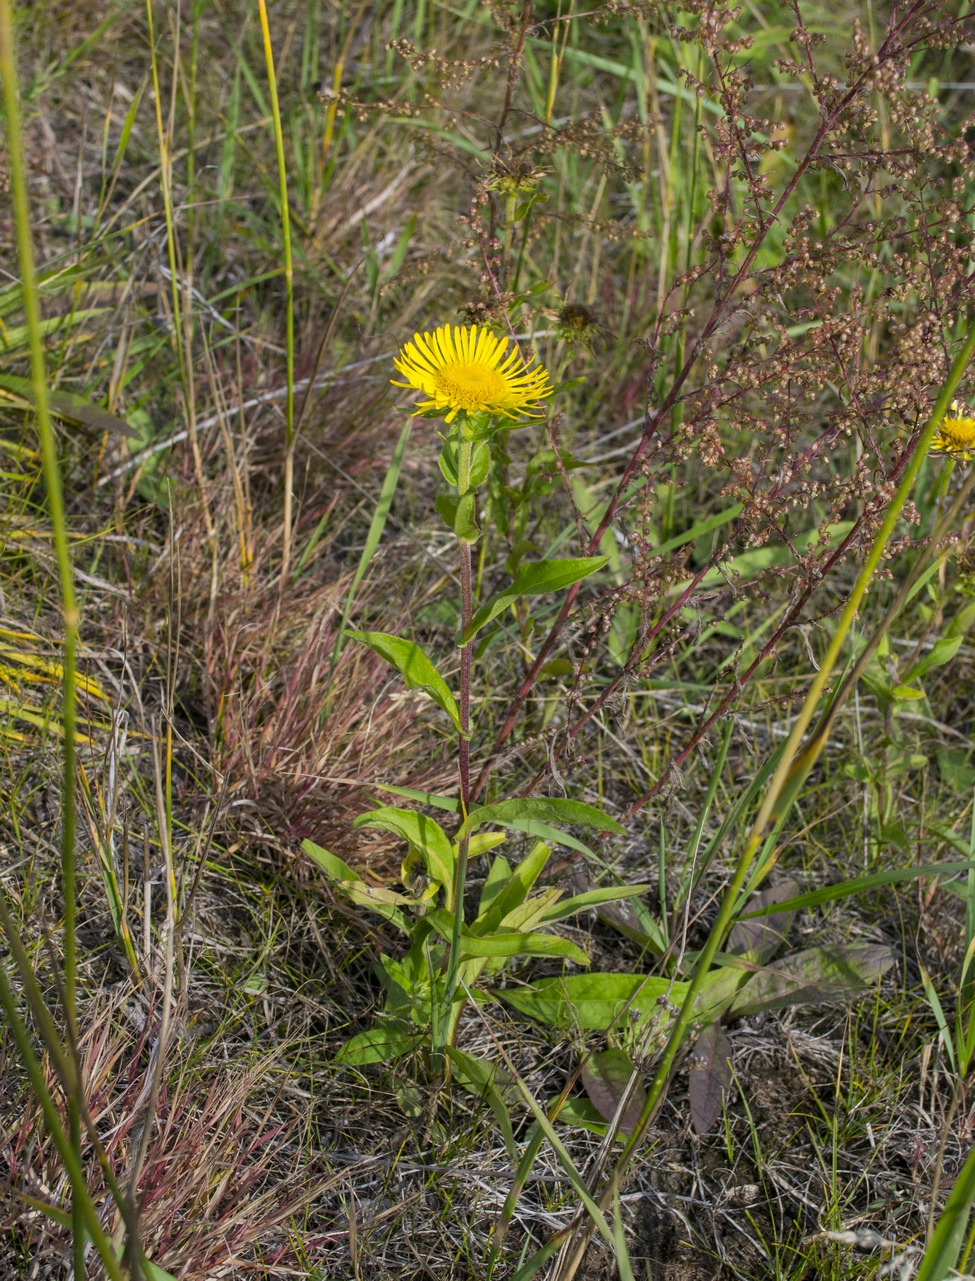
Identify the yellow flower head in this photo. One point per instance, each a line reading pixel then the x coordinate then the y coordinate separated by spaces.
pixel 463 368
pixel 956 433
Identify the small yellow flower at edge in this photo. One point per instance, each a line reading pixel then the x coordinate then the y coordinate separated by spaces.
pixel 956 433
pixel 464 368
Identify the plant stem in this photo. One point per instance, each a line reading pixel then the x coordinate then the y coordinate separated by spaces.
pixel 289 311
pixel 59 532
pixel 464 769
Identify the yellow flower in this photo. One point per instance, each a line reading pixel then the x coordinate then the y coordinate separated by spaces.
pixel 956 433
pixel 470 370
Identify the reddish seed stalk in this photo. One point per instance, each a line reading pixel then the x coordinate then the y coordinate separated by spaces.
pixel 889 48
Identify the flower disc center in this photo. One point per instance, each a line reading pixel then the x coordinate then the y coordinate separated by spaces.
pixel 958 433
pixel 472 386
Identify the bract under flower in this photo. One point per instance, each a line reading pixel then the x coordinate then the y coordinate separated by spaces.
pixel 467 369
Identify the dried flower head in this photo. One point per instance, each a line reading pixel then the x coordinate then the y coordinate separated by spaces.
pixel 578 324
pixel 464 369
pixel 956 433
pixel 514 177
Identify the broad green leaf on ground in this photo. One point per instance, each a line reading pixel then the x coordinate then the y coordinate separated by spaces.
pixel 594 1000
pixel 534 579
pixel 414 666
pixel 710 1077
pixel 378 1045
pixel 812 976
pixel 606 1076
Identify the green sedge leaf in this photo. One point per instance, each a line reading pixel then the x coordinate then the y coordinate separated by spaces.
pixel 534 579
pixel 414 666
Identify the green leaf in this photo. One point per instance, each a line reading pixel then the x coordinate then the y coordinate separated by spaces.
pixel 433 799
pixel 594 1000
pixel 378 1045
pixel 480 462
pixel 633 921
pixel 72 408
pixel 545 809
pixel 329 863
pixel 814 975
pixel 494 883
pixel 592 898
pixel 383 901
pixel 941 652
pixel 504 944
pixel 490 1082
pixel 605 1077
pixel 533 579
pixel 427 835
pixel 515 891
pixel 459 514
pixel 414 666
pixel 859 884
pixel 376 527
pixel 905 694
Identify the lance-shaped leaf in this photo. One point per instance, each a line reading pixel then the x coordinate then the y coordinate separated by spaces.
pixel 592 898
pixel 815 975
pixel 506 943
pixel 383 1044
pixel 428 837
pixel 606 1076
pixel 543 809
pixel 594 1000
pixel 534 579
pixel 386 903
pixel 414 666
pixel 710 1062
pixel 515 890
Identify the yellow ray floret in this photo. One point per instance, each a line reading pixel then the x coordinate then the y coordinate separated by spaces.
pixel 463 368
pixel 956 433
